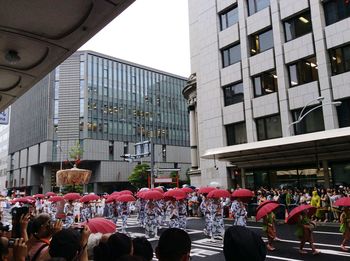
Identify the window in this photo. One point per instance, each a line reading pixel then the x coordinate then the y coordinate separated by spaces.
pixel 340 59
pixel 236 133
pixel 231 55
pixel 163 152
pixel 336 10
pixel 111 149
pixel 343 112
pixel 265 83
pixel 312 122
pixel 261 42
pixel 303 71
pixel 233 94
pixel 269 127
pixel 255 6
pixel 298 26
pixel 228 17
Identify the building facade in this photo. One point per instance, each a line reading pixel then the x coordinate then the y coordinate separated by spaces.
pixel 104 105
pixel 4 142
pixel 271 100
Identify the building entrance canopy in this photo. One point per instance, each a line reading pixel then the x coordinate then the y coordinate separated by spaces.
pixel 36 36
pixel 301 149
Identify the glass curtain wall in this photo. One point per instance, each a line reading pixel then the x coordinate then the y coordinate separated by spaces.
pixel 125 102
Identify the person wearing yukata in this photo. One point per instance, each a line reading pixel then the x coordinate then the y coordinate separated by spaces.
pixel 124 214
pixel 53 211
pixel 68 211
pixel 270 229
pixel 160 212
pixel 345 227
pixel 173 213
pixel 99 208
pixel 76 211
pixel 304 233
pixel 182 209
pixel 85 212
pixel 140 205
pixel 205 209
pixel 150 219
pixel 38 206
pixel 216 212
pixel 239 213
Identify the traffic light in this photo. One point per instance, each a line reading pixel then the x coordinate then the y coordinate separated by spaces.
pixel 127 157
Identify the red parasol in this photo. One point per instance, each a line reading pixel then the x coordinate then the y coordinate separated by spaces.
pixel 56 198
pixel 115 193
pixel 219 193
pixel 111 198
pixel 72 196
pixel 50 194
pixel 178 194
pixel 342 202
pixel 242 193
pixel 30 198
pixel 154 195
pixel 123 192
pixel 125 198
pixel 21 200
pixel 90 197
pixel 39 196
pixel 266 209
pixel 295 213
pixel 264 203
pixel 101 225
pixel 187 190
pixel 205 190
pixel 158 189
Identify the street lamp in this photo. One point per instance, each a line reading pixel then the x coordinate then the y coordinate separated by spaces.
pixel 302 115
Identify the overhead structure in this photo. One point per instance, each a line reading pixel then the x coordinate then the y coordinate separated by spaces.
pixel 36 36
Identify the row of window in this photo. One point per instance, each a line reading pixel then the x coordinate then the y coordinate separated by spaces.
pixel 335 10
pixel 270 127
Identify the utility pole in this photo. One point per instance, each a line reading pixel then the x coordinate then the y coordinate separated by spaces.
pixel 152 164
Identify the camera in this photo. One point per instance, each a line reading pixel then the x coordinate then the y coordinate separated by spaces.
pixel 11 242
pixel 16 216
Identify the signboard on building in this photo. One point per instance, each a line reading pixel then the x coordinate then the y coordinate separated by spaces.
pixel 4 117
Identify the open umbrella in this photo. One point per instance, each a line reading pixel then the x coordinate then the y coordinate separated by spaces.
pixel 266 209
pixel 72 196
pixel 111 198
pixel 123 192
pixel 101 225
pixel 30 198
pixel 342 202
pixel 56 198
pixel 178 194
pixel 154 195
pixel 39 196
pixel 21 200
pixel 266 202
pixel 89 197
pixel 295 213
pixel 187 190
pixel 126 198
pixel 219 193
pixel 50 194
pixel 115 193
pixel 158 189
pixel 205 190
pixel 242 193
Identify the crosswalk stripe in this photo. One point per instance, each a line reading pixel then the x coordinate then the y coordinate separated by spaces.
pixel 282 258
pixel 330 252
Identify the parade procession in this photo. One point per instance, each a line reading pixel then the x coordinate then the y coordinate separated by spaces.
pixel 156 209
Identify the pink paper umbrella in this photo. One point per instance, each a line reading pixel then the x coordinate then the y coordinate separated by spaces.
pixel 101 225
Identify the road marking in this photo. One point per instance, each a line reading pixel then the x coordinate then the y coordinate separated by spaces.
pixel 282 258
pixel 328 233
pixel 330 252
pixel 209 247
pixel 298 242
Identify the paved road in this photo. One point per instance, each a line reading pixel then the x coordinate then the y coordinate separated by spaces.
pixel 327 238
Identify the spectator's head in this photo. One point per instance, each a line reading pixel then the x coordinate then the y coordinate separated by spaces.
pixel 66 244
pixel 102 252
pixel 4 251
pixel 120 245
pixel 143 248
pixel 174 245
pixel 41 226
pixel 94 240
pixel 242 244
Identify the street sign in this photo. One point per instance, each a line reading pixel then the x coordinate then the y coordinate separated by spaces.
pixel 4 117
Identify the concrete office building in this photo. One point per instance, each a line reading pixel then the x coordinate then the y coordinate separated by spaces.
pixel 105 104
pixel 269 97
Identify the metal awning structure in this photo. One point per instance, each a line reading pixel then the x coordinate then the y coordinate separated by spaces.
pixel 37 35
pixel 300 149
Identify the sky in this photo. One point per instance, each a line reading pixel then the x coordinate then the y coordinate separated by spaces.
pixel 153 33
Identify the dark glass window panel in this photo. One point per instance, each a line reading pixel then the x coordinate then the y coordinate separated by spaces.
pixel 257 5
pixel 233 94
pixel 346 56
pixel 343 112
pixel 269 127
pixel 231 55
pixel 298 26
pixel 229 18
pixel 304 71
pixel 251 7
pixel 261 42
pixel 236 134
pixel 312 122
pixel 265 83
pixel 257 86
pixel 336 61
pixel 336 11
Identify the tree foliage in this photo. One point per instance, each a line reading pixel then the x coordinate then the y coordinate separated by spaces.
pixel 139 175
